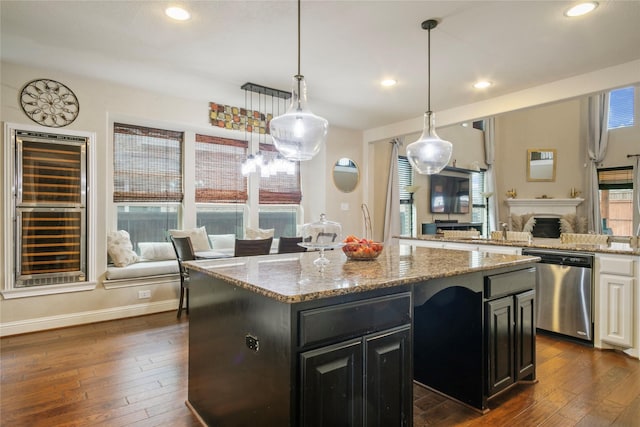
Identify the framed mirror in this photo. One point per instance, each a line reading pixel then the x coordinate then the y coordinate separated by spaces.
pixel 346 175
pixel 541 164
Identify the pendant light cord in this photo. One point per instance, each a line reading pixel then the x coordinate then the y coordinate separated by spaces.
pixel 429 70
pixel 298 37
pixel 299 76
pixel 429 25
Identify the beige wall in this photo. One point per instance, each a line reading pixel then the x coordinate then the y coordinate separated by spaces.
pixel 102 101
pixel 555 126
pixel 562 126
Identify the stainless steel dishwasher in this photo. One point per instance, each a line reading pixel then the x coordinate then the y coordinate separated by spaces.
pixel 564 292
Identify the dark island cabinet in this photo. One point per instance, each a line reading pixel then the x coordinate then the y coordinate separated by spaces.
pixel 510 326
pixel 362 381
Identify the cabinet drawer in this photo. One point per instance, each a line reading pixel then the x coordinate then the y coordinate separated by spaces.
pixel 621 266
pixel 338 322
pixel 510 283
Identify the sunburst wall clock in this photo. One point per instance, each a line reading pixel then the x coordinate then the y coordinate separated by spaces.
pixel 49 103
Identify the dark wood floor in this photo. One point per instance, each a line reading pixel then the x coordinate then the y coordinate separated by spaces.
pixel 133 372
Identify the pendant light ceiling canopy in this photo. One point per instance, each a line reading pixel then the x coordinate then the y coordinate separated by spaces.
pixel 429 154
pixel 298 134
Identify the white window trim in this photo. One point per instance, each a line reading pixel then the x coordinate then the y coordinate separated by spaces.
pixel 8 290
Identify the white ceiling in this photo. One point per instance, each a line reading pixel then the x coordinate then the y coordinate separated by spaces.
pixel 347 48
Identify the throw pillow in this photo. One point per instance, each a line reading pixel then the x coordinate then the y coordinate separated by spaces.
pixel 156 251
pixel 198 236
pixel 222 241
pixel 120 249
pixel 259 233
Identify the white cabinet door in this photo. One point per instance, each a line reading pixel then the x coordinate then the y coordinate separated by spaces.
pixel 616 309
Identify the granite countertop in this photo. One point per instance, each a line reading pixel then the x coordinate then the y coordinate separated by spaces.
pixel 294 278
pixel 538 243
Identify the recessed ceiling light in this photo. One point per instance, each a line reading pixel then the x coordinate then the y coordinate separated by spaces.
pixel 177 13
pixel 581 9
pixel 482 84
pixel 389 82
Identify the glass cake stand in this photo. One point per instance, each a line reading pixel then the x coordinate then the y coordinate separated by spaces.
pixel 320 236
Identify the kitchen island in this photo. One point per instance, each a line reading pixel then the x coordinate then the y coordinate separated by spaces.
pixel 275 341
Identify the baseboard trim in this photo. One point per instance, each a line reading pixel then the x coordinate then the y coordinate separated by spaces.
pixel 81 318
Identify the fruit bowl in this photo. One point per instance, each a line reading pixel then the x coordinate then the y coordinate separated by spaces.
pixel 362 249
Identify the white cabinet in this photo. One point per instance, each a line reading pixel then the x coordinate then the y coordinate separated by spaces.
pixel 618 302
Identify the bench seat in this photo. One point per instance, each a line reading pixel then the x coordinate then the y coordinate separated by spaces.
pixel 142 269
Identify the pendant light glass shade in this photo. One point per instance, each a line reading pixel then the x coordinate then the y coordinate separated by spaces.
pixel 298 134
pixel 429 154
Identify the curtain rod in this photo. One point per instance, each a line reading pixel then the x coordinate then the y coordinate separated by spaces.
pixel 633 155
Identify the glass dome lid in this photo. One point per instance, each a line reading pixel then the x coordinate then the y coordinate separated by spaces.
pixel 322 233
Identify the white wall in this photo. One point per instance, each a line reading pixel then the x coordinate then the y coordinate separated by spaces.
pixel 100 102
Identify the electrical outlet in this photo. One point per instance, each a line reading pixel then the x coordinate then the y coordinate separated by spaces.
pixel 144 294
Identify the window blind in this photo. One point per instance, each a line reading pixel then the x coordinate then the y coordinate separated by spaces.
pixel 615 178
pixel 218 176
pixel 147 164
pixel 405 177
pixel 280 188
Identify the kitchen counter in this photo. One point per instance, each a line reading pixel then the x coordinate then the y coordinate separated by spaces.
pixel 273 340
pixel 294 278
pixel 612 248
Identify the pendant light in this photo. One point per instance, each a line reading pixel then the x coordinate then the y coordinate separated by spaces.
pixel 429 154
pixel 298 134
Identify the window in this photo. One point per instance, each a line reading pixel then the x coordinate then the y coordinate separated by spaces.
pixel 405 181
pixel 621 108
pixel 479 204
pixel 616 200
pixel 147 180
pixel 282 218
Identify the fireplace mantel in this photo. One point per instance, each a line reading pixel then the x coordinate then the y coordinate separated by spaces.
pixel 543 207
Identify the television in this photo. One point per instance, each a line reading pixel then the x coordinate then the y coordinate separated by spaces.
pixel 449 194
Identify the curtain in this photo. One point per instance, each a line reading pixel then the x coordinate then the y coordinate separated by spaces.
pixel 636 192
pixel 490 176
pixel 392 209
pixel 597 140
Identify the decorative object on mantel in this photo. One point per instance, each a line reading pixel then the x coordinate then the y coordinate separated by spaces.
pixel 49 103
pixel 571 223
pixel 512 194
pixel 430 153
pixel 544 196
pixel 574 192
pixel 524 222
pixel 299 134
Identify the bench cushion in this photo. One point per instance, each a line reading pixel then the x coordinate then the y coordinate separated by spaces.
pixel 142 269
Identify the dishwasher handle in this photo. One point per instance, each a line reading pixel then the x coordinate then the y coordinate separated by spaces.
pixel 558 258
